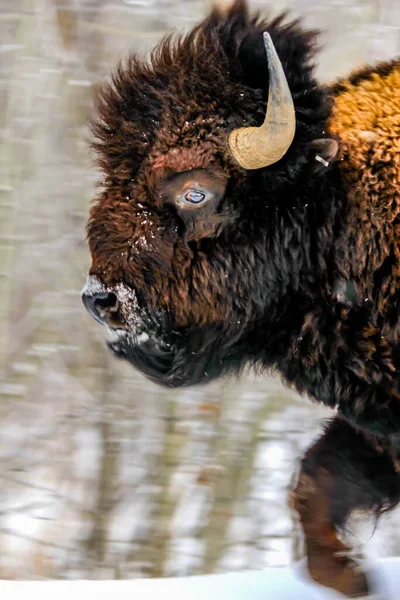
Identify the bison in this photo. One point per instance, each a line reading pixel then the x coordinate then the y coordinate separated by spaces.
pixel 249 215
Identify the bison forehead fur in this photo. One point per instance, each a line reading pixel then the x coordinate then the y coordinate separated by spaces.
pixel 294 266
pixel 216 273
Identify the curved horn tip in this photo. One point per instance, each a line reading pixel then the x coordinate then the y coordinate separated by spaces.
pixel 259 147
pixel 272 55
pixel 267 39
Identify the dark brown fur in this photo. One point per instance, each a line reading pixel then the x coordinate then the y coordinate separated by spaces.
pixel 292 267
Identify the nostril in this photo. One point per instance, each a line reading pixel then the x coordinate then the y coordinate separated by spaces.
pixel 100 305
pixel 106 301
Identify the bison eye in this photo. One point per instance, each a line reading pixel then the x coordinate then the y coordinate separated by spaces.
pixel 194 191
pixel 194 197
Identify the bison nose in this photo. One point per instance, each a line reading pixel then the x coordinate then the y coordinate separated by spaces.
pixel 100 305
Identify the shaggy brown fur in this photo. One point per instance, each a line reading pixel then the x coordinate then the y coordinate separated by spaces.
pixel 202 268
pixel 366 117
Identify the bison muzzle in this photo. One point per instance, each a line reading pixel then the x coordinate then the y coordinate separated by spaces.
pixel 249 215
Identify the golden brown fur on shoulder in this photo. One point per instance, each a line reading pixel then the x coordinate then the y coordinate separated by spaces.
pixel 366 118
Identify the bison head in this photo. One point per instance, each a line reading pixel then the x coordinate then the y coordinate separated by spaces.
pixel 200 237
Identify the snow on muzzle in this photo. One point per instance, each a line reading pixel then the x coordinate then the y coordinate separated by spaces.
pixel 115 306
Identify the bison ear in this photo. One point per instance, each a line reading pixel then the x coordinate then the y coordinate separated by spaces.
pixel 325 151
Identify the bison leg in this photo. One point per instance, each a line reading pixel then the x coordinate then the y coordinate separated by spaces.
pixel 343 471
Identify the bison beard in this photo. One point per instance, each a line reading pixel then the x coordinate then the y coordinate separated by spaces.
pixel 217 245
pixel 173 361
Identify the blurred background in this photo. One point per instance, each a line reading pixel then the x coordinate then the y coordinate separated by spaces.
pixel 102 474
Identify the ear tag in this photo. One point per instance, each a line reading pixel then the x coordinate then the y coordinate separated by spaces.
pixel 326 151
pixel 322 160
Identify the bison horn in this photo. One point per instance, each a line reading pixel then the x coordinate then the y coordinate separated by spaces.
pixel 258 147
